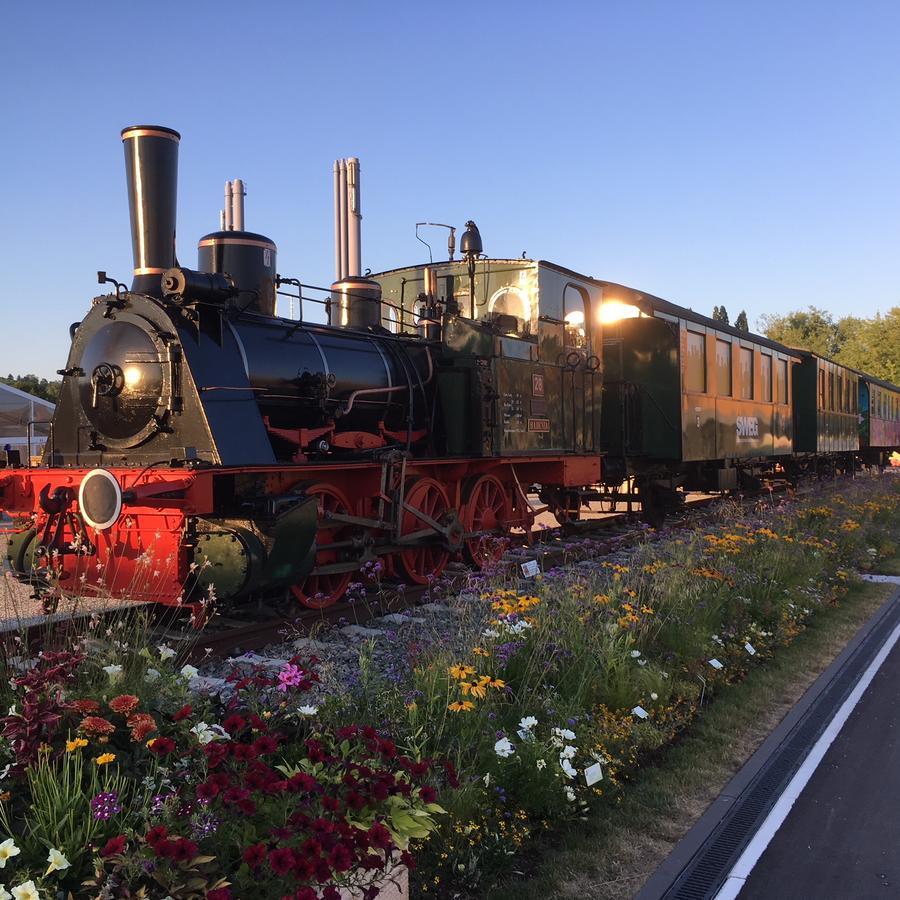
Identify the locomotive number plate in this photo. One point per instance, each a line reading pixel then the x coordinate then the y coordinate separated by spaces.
pixel 537 384
pixel 538 424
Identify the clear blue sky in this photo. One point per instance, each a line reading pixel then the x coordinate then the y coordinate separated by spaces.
pixel 709 152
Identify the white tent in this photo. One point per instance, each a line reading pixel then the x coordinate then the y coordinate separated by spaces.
pixel 23 416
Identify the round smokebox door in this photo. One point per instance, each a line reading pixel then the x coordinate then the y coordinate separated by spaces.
pixel 123 380
pixel 100 499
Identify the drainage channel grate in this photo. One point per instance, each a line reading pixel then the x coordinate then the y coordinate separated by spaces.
pixel 706 872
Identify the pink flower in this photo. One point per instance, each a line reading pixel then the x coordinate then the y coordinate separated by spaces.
pixel 289 676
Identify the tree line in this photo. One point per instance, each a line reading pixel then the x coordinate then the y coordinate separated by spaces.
pixel 31 384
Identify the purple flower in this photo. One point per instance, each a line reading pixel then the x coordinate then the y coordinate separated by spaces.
pixel 105 805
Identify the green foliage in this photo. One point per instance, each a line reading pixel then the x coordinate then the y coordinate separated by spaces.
pixel 870 345
pixel 741 321
pixel 31 384
pixel 720 314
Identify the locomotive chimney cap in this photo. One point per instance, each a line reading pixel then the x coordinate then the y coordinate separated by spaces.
pixel 162 131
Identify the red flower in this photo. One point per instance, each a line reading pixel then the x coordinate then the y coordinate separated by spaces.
pixel 428 794
pixel 452 778
pixel 162 746
pixel 380 837
pixel 113 846
pixel 183 713
pixel 156 835
pixel 244 752
pixel 234 724
pixel 185 850
pixel 208 790
pixel 306 893
pixel 125 704
pixel 85 706
pixel 281 861
pixel 246 806
pixel 96 725
pixel 222 893
pixel 340 859
pixel 331 893
pixel 141 725
pixel 166 848
pixel 255 855
pixel 332 804
pixel 264 745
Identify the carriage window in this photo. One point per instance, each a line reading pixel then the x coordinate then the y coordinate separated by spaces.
pixel 781 378
pixel 389 319
pixel 723 368
pixel 695 364
pixel 839 403
pixel 831 391
pixel 765 374
pixel 746 373
pixel 821 389
pixel 575 315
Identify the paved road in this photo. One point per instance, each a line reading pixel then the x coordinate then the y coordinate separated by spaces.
pixel 841 840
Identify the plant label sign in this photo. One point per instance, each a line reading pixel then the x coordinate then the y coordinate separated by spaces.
pixel 716 664
pixel 640 712
pixel 593 774
pixel 530 568
pixel 750 648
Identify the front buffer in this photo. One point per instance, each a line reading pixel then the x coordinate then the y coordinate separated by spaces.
pixel 150 535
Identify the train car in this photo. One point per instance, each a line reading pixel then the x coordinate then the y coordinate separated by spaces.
pixel 689 401
pixel 826 413
pixel 879 419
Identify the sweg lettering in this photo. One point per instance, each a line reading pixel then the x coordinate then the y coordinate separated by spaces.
pixel 747 426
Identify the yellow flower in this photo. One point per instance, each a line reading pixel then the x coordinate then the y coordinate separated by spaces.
pixel 77 744
pixel 461 672
pixel 480 651
pixel 463 706
pixel 104 758
pixel 497 683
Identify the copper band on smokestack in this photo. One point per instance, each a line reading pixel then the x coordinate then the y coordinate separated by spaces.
pixel 151 167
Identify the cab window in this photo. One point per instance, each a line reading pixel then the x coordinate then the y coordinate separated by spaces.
pixel 576 316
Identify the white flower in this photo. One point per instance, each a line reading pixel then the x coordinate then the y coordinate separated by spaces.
pixel 3 775
pixel 189 672
pixel 165 652
pixel 525 726
pixel 490 633
pixel 654 696
pixel 57 861
pixel 307 710
pixel 487 779
pixel 151 675
pixel 4 893
pixel 567 752
pixel 541 764
pixel 564 734
pixel 504 748
pixel 26 891
pixel 635 654
pixel 207 733
pixel 567 767
pixel 7 849
pixel 12 711
pixel 113 671
pixel 570 795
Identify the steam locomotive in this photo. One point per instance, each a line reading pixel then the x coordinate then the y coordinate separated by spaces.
pixel 205 447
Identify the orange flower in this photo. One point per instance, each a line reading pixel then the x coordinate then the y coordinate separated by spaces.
pixel 96 725
pixel 85 707
pixel 141 724
pixel 125 704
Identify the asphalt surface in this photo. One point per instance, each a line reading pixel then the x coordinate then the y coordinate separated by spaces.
pixel 841 839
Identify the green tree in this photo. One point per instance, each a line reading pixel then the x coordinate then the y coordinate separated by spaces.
pixel 811 329
pixel 31 384
pixel 741 321
pixel 720 314
pixel 872 345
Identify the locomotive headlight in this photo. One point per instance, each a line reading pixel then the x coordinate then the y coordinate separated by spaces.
pixel 100 499
pixel 615 310
pixel 132 376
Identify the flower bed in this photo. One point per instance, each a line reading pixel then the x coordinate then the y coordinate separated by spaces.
pixel 538 702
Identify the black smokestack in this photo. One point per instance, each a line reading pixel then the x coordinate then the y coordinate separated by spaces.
pixel 151 166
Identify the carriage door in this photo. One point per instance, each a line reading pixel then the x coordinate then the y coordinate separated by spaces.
pixel 577 378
